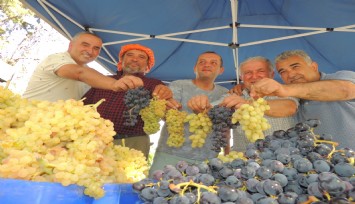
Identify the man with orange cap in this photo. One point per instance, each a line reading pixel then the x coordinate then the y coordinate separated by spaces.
pixel 134 60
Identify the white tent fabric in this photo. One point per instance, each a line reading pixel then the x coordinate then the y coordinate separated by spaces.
pixel 178 31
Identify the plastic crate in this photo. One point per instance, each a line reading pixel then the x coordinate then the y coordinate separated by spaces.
pixel 14 191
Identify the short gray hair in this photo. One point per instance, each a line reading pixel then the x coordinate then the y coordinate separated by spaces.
pixel 76 36
pixel 257 58
pixel 291 53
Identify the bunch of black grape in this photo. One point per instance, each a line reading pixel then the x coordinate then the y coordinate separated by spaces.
pixel 221 124
pixel 291 166
pixel 135 100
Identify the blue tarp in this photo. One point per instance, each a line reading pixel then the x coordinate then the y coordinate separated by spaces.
pixel 179 30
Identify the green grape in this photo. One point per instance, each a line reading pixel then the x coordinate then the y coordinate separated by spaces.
pixel 152 114
pixel 251 118
pixel 200 126
pixel 175 125
pixel 63 141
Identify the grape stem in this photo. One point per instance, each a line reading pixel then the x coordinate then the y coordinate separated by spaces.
pixel 310 200
pixel 97 104
pixel 334 144
pixel 185 186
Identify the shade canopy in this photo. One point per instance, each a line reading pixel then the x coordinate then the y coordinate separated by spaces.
pixel 179 30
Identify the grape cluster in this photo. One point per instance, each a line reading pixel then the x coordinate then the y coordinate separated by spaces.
pixel 200 126
pixel 291 166
pixel 174 120
pixel 63 141
pixel 152 114
pixel 251 118
pixel 221 120
pixel 232 155
pixel 135 100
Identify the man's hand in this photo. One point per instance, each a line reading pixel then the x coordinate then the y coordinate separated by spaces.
pixel 268 87
pixel 199 103
pixel 127 82
pixel 162 92
pixel 233 101
pixel 237 89
pixel 173 104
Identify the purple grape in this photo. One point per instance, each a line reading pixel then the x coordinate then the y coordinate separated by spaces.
pixel 192 170
pixel 303 165
pixel 160 200
pixel 264 172
pixel 233 181
pixel 282 179
pixel 158 174
pixel 135 100
pixel 209 198
pixel 148 194
pixel 227 193
pixel 321 166
pixel 206 179
pixel 287 198
pixel 181 166
pixel 344 169
pixel 272 188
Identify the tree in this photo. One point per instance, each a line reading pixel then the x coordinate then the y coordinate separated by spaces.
pixel 23 36
pixel 19 28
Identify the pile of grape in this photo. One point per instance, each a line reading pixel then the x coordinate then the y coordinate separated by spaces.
pixel 289 167
pixel 63 141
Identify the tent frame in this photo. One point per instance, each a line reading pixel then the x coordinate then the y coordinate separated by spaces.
pixel 234 45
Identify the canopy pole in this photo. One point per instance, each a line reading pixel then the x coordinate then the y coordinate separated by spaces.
pixel 234 11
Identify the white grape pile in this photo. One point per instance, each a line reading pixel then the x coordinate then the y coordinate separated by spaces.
pixel 175 125
pixel 63 141
pixel 200 126
pixel 251 118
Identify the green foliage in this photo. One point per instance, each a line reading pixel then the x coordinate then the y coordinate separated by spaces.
pixel 15 12
pixel 14 19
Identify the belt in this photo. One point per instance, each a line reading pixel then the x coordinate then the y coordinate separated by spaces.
pixel 125 136
pixel 122 136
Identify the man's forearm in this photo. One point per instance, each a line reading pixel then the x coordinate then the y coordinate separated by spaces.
pixel 327 90
pixel 281 108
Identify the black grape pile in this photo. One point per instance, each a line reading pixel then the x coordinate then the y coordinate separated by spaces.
pixel 135 100
pixel 221 123
pixel 289 167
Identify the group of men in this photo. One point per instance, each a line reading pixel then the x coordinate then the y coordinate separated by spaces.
pixel 306 94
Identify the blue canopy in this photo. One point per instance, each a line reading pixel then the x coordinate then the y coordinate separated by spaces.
pixel 179 30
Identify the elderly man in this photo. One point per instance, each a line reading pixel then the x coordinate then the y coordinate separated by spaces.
pixel 208 67
pixel 281 115
pixel 134 60
pixel 327 97
pixel 66 75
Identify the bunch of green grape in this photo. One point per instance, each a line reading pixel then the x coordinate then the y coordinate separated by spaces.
pixel 63 141
pixel 251 118
pixel 232 155
pixel 175 120
pixel 152 114
pixel 200 126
